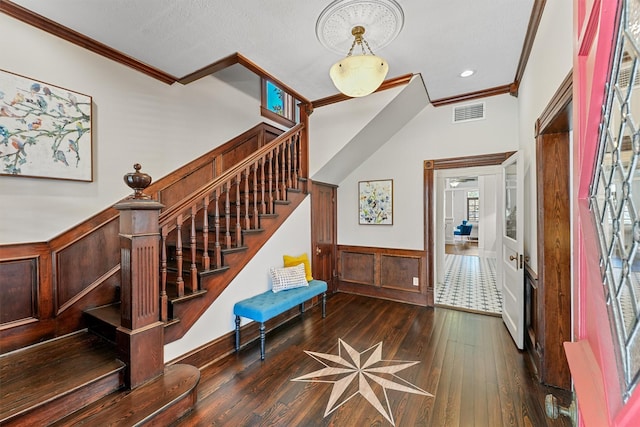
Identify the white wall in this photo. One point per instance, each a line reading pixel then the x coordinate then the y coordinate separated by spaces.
pixel 334 125
pixel 136 119
pixel 430 135
pixel 252 280
pixel 488 214
pixel 550 62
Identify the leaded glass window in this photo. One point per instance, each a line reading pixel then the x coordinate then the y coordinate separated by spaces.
pixel 278 105
pixel 615 195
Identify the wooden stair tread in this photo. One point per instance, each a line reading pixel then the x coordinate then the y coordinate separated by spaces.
pixel 38 375
pixel 149 401
pixel 107 313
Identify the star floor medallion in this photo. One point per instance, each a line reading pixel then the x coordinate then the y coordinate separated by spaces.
pixel 364 373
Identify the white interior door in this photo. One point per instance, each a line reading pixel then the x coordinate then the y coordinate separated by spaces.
pixel 512 246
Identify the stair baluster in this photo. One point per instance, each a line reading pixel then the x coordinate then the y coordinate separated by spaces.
pixel 256 223
pixel 227 215
pixel 216 222
pixel 238 213
pixel 179 279
pixel 193 272
pixel 283 166
pixel 289 164
pixel 206 262
pixel 270 186
pixel 296 160
pixel 247 219
pixel 263 206
pixel 276 167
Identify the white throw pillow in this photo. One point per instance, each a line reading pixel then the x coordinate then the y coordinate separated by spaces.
pixel 288 278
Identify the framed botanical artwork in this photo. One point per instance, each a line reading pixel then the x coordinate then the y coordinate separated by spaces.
pixel 375 200
pixel 45 130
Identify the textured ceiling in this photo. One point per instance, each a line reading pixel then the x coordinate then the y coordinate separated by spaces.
pixel 439 39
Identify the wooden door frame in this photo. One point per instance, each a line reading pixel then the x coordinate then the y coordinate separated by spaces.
pixel 553 281
pixel 430 166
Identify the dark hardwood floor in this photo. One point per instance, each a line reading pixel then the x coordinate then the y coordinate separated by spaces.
pixel 467 361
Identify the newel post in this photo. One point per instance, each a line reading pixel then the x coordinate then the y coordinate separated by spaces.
pixel 140 337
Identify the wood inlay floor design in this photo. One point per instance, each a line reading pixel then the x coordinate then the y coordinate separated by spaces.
pixel 470 283
pixel 366 373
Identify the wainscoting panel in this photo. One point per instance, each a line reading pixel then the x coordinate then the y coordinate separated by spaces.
pixel 398 271
pixel 87 262
pixel 383 273
pixel 176 191
pixel 358 267
pixel 19 296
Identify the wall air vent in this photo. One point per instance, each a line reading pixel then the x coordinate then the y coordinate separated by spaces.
pixel 469 112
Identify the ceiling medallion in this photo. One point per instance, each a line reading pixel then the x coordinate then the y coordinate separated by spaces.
pixel 383 20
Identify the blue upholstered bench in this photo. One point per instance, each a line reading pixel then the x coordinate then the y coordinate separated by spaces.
pixel 269 304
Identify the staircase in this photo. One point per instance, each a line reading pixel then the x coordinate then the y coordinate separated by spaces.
pixel 206 238
pixel 211 234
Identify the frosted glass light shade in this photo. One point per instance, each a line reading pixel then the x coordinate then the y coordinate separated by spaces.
pixel 359 75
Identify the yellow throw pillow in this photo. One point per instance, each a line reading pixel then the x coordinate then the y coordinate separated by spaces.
pixel 292 261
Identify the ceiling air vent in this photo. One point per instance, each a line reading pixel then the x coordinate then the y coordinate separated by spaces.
pixel 469 112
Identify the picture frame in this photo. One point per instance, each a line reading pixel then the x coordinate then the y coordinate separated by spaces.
pixel 375 202
pixel 45 130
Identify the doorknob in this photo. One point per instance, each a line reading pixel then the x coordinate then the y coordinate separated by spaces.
pixel 554 410
pixel 512 257
pixel 318 250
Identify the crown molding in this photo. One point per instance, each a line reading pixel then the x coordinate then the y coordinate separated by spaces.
pixel 53 28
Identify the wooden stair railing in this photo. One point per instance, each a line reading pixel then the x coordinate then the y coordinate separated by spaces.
pixel 215 217
pixel 50 296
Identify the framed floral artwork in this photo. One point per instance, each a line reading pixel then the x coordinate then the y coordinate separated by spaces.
pixel 45 130
pixel 375 202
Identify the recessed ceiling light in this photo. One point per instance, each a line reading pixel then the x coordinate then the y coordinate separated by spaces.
pixel 467 73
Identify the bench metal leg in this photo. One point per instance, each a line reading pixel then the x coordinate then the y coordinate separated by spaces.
pixel 324 305
pixel 301 308
pixel 262 341
pixel 237 333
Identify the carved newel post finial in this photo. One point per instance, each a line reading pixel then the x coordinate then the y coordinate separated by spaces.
pixel 138 181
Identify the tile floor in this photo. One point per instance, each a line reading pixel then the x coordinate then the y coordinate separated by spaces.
pixel 470 284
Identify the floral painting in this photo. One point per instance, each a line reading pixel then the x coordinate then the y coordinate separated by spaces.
pixel 376 202
pixel 45 130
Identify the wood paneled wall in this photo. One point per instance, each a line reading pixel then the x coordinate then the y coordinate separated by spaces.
pixel 212 164
pixel 46 286
pixel 383 273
